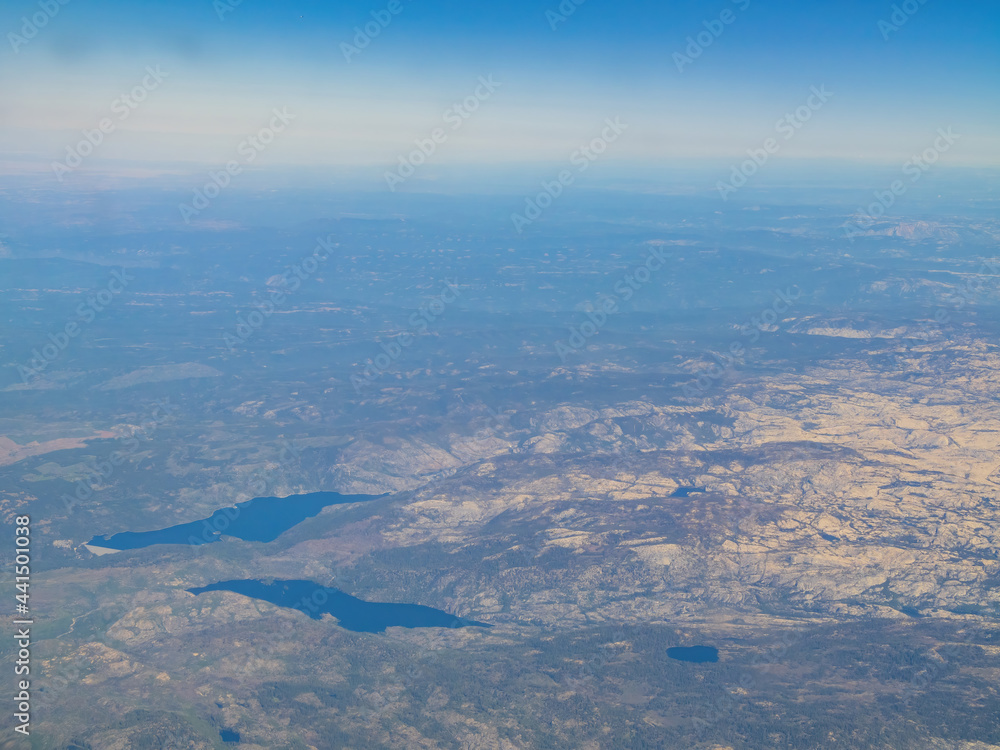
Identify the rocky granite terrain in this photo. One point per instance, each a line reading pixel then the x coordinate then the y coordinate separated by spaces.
pixel 832 526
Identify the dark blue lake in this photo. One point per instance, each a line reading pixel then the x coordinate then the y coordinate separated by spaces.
pixel 685 491
pixel 262 519
pixel 353 613
pixel 228 735
pixel 695 654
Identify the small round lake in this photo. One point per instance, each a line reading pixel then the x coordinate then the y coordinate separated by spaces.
pixel 228 735
pixel 686 491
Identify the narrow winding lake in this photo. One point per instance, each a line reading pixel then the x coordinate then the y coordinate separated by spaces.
pixel 353 613
pixel 262 519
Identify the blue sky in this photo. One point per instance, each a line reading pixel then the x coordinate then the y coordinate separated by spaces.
pixel 941 68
